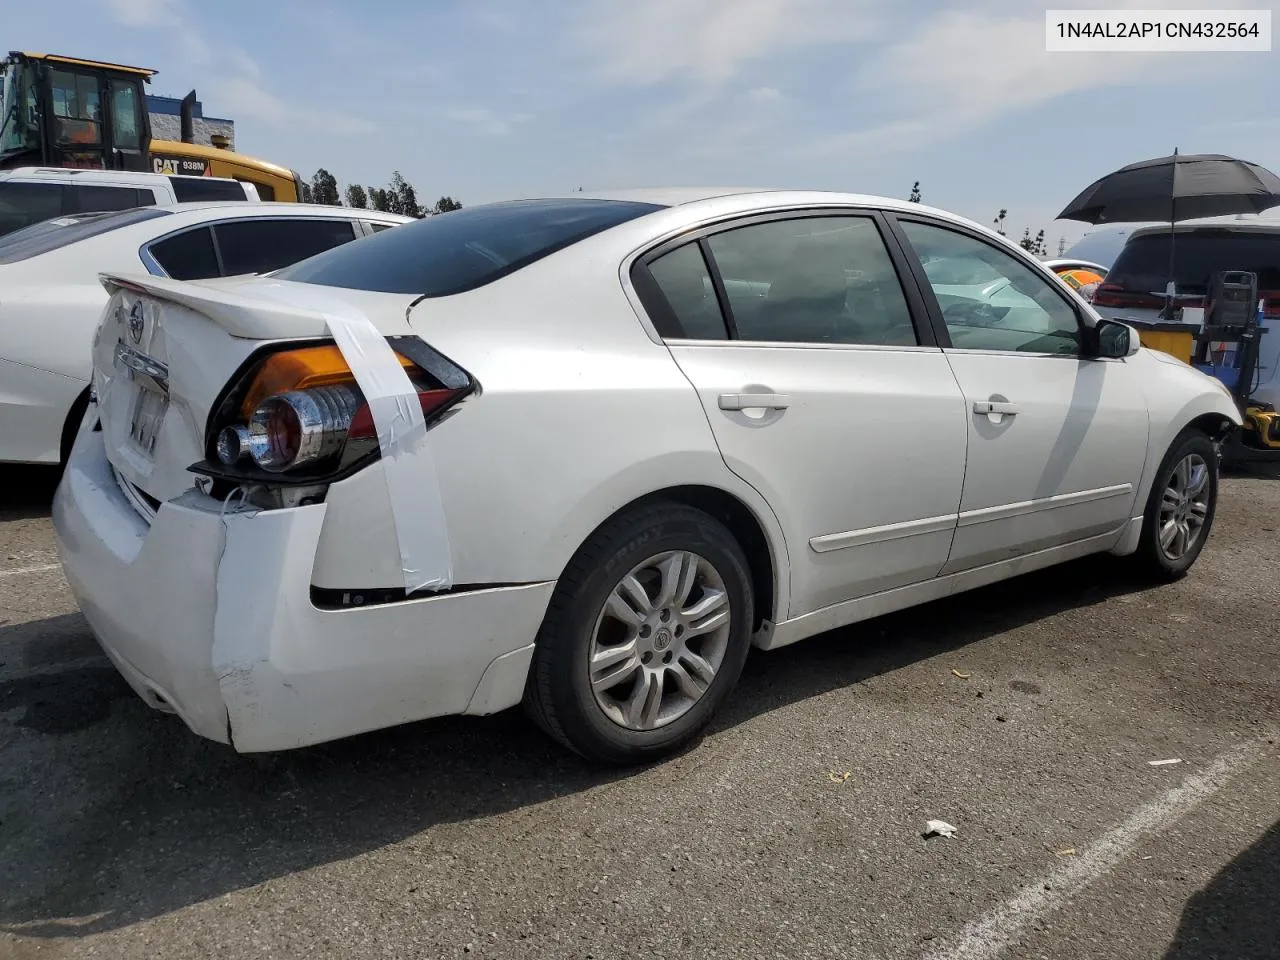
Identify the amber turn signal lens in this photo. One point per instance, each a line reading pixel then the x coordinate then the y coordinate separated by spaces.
pixel 298 370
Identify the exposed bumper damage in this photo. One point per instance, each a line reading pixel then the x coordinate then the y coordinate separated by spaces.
pixel 209 615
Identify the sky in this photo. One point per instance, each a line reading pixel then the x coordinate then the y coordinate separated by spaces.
pixel 494 99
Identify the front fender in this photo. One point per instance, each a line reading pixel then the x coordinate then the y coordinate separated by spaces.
pixel 1176 395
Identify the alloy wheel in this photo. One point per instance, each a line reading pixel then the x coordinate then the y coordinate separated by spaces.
pixel 659 640
pixel 1184 507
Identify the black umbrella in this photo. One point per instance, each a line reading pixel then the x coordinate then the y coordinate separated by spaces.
pixel 1180 187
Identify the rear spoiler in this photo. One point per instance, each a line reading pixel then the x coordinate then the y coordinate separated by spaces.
pixel 240 314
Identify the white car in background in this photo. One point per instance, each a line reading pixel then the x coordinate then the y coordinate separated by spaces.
pixel 31 194
pixel 585 452
pixel 51 298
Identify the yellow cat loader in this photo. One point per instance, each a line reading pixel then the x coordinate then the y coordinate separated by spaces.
pixel 66 112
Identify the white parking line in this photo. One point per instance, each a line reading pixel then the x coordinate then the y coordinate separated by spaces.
pixel 40 568
pixel 986 938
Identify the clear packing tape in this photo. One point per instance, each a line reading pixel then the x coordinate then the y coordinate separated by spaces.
pixel 417 507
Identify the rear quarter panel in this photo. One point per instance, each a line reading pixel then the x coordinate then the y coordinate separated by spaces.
pixel 580 412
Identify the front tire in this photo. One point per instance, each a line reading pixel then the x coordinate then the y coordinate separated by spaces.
pixel 645 636
pixel 1180 508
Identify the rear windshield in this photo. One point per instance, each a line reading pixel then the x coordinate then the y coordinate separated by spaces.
pixel 1143 264
pixel 458 251
pixel 59 232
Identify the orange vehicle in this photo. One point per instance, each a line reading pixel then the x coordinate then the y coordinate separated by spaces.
pixel 60 111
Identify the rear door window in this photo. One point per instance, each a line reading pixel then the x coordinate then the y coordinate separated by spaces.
pixel 22 204
pixel 189 255
pixel 826 279
pixel 259 246
pixel 86 198
pixel 464 249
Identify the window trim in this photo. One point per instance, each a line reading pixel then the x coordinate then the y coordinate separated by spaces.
pixel 894 220
pixel 153 266
pixel 654 303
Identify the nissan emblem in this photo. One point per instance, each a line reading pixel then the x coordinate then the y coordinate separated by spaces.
pixel 137 322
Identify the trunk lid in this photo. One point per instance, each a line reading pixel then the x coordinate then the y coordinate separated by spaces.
pixel 165 349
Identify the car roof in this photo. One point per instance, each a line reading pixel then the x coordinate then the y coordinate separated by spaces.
pixel 749 196
pixel 1245 223
pixel 682 208
pixel 131 177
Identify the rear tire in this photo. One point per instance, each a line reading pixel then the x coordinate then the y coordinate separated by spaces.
pixel 645 636
pixel 1180 508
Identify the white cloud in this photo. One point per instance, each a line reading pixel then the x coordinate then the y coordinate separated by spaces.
pixel 966 69
pixel 765 96
pixel 493 18
pixel 486 122
pixel 230 80
pixel 708 40
pixel 145 13
pixel 243 97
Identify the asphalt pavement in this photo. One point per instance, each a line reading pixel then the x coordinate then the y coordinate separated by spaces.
pixel 1026 715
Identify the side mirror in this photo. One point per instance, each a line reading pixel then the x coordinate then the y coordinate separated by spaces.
pixel 1116 340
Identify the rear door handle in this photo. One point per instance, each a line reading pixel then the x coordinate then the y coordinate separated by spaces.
pixel 992 407
pixel 749 401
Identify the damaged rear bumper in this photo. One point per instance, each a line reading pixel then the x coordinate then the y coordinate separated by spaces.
pixel 210 616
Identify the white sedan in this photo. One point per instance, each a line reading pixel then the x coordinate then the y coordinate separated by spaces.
pixel 585 452
pixel 51 298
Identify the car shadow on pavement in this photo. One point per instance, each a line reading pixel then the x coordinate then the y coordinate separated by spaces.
pixel 27 491
pixel 1237 916
pixel 138 817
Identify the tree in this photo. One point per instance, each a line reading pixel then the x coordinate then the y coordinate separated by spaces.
pixel 1026 243
pixel 404 199
pixel 999 222
pixel 324 189
pixel 356 197
pixel 1040 249
pixel 379 199
pixel 304 196
pixel 445 204
pixel 915 192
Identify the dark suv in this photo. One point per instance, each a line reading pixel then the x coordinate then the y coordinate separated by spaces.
pixel 1134 287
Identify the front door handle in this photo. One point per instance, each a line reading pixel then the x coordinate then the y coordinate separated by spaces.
pixel 993 407
pixel 749 401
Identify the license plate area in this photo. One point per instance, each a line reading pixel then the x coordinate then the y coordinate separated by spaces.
pixel 148 412
pixel 150 381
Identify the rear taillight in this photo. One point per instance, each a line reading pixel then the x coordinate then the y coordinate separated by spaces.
pixel 299 415
pixel 292 429
pixel 1108 295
